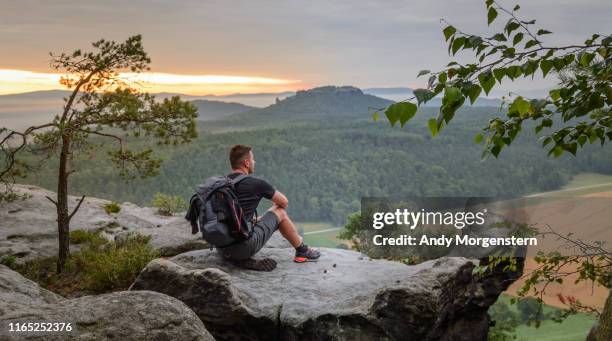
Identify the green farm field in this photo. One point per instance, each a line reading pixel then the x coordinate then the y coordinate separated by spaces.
pixel 320 233
pixel 574 328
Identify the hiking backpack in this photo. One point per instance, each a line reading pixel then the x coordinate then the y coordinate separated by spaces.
pixel 215 208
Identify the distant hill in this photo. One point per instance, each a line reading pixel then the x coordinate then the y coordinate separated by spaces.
pixel 43 94
pixel 259 100
pixel 255 95
pixel 327 102
pixel 19 111
pixel 213 110
pixel 391 93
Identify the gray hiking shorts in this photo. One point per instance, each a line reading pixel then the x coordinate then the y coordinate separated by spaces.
pixel 262 231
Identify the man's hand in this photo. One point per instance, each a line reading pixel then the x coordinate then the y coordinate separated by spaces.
pixel 280 200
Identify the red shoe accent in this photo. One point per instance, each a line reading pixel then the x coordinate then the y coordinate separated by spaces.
pixel 300 259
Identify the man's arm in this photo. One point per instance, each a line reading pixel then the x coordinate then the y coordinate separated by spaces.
pixel 280 200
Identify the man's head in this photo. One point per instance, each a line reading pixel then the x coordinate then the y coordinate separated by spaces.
pixel 241 158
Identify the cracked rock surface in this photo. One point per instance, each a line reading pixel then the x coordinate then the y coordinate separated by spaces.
pixel 344 296
pixel 28 229
pixel 125 315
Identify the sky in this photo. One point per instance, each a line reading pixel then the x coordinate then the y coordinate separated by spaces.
pixel 219 47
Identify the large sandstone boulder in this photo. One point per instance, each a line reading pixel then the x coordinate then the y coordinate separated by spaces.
pixel 126 315
pixel 16 290
pixel 28 229
pixel 344 296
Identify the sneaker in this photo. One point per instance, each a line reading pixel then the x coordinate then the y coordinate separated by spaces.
pixel 310 255
pixel 266 264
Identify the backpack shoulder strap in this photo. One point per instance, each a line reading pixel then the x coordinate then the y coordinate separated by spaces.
pixel 240 178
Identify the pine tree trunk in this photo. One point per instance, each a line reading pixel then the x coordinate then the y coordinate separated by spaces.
pixel 63 220
pixel 605 321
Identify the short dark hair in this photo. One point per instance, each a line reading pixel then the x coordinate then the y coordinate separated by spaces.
pixel 238 153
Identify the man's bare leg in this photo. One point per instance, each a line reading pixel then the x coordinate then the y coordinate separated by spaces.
pixel 303 253
pixel 286 226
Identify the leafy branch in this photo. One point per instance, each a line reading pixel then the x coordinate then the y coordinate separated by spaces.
pixel 580 103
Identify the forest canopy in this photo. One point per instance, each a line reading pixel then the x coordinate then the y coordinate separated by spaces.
pixel 325 168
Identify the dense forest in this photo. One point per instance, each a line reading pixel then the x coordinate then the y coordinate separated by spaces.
pixel 326 166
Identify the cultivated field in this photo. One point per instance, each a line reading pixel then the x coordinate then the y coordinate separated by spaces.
pixel 583 208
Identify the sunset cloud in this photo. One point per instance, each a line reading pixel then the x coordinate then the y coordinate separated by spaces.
pixel 17 81
pixel 319 42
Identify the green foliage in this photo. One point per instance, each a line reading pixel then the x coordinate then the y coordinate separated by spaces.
pixel 580 104
pixel 112 207
pixel 9 196
pixel 423 95
pixel 491 15
pixel 340 162
pixel 86 237
pixel 531 310
pixel 351 230
pixel 9 260
pixel 506 321
pixel 508 324
pixel 99 266
pixel 114 266
pixel 433 126
pixel 168 204
pixel 402 111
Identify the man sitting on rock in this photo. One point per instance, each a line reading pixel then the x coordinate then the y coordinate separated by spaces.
pixel 249 192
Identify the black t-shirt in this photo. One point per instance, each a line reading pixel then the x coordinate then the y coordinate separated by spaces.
pixel 250 191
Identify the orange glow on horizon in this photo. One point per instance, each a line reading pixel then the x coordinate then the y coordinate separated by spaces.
pixel 19 81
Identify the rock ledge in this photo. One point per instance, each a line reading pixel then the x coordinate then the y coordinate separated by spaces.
pixel 344 296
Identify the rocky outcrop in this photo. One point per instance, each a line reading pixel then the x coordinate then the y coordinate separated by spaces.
pixel 28 229
pixel 344 296
pixel 329 90
pixel 15 291
pixel 135 315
